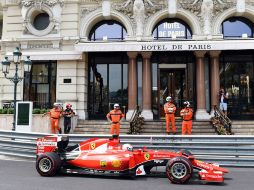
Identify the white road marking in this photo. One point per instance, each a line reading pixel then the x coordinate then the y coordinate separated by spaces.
pixel 2 157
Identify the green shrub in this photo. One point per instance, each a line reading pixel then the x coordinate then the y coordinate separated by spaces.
pixel 36 111
pixel 42 111
pixel 5 111
pixel 1 111
pixel 10 111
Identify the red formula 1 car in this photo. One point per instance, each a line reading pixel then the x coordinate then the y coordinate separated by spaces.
pixel 109 157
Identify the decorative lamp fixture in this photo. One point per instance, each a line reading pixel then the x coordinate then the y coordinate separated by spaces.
pixel 27 64
pixel 17 55
pixel 6 66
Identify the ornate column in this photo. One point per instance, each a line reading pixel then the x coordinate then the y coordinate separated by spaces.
pixel 215 78
pixel 147 86
pixel 201 113
pixel 132 84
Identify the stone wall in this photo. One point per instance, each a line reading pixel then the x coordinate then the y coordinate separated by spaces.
pixel 39 124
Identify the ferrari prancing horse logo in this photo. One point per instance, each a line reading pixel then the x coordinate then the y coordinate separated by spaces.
pixel 147 156
pixel 103 163
pixel 92 145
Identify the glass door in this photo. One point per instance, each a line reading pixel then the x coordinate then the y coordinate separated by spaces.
pixel 172 82
pixel 237 76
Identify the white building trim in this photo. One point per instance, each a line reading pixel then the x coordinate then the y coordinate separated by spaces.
pixel 96 16
pixel 184 15
pixel 166 46
pixel 51 55
pixel 232 12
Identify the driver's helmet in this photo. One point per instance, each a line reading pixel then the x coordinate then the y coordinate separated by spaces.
pixel 127 147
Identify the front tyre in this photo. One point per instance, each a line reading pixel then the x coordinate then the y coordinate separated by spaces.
pixel 48 164
pixel 179 170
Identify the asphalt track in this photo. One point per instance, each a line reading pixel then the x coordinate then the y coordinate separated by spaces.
pixel 22 175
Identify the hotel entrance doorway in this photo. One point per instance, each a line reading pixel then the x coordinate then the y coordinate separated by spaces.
pixel 172 82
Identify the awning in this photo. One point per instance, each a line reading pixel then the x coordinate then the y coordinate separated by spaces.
pixel 190 45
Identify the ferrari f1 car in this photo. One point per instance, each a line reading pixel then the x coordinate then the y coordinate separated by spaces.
pixel 109 157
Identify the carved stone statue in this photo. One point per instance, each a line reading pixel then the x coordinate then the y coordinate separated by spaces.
pixel 139 14
pixel 129 1
pixel 206 14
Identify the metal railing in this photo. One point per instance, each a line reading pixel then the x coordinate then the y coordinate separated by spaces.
pixel 136 122
pixel 226 150
pixel 221 122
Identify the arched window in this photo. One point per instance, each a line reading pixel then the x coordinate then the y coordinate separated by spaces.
pixel 172 29
pixel 237 27
pixel 108 30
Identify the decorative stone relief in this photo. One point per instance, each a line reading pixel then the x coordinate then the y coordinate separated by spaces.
pixel 249 2
pixel 51 3
pixel 139 10
pixel 206 10
pixel 31 8
pixel 87 10
pixel 196 8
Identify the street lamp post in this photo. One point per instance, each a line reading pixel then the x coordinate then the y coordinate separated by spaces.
pixel 15 79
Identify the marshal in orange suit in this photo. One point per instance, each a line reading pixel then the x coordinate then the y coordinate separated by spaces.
pixel 170 109
pixel 114 117
pixel 186 114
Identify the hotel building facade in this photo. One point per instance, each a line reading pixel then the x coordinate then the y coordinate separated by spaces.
pixel 94 53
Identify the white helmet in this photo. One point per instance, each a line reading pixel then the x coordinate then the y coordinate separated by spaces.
pixel 168 98
pixel 127 147
pixel 116 106
pixel 187 103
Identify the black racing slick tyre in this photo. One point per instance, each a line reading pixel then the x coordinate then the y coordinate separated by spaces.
pixel 48 164
pixel 179 170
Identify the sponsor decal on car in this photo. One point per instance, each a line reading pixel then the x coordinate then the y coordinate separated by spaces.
pixel 140 170
pixel 146 156
pixel 158 161
pixel 116 163
pixel 203 165
pixel 46 143
pixel 93 146
pixel 103 163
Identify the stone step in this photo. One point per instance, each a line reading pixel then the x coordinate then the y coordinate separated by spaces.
pixel 143 126
pixel 102 122
pixel 177 123
pixel 250 133
pixel 248 122
pixel 99 126
pixel 149 127
pixel 158 127
pixel 178 133
pixel 242 130
pixel 177 126
pixel 178 129
pixel 99 130
pixel 242 126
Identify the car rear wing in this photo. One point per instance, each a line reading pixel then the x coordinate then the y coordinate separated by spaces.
pixel 51 143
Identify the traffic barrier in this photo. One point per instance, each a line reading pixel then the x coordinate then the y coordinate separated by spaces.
pixel 228 150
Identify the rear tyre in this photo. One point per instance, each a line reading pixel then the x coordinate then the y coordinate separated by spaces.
pixel 179 170
pixel 48 164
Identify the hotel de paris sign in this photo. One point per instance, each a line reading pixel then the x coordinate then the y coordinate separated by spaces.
pixel 165 46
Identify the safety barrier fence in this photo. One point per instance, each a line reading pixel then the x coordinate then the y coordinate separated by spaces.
pixel 228 150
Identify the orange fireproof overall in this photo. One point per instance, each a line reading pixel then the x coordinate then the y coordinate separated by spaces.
pixel 115 116
pixel 169 109
pixel 187 114
pixel 55 114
